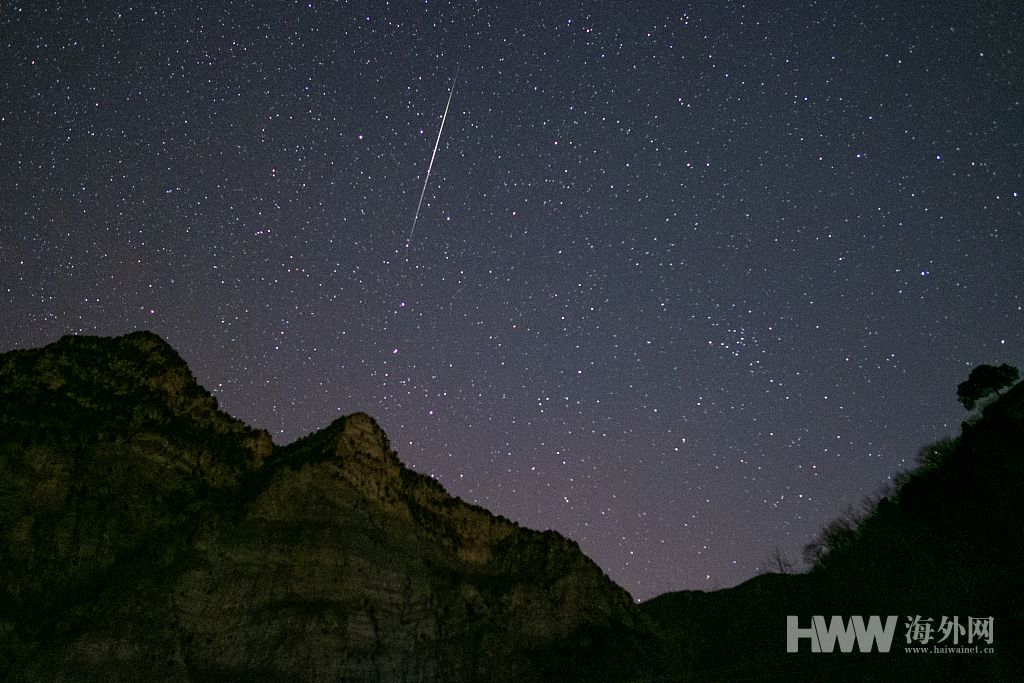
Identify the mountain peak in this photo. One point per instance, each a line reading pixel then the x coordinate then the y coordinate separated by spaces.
pixel 361 434
pixel 137 383
pixel 149 532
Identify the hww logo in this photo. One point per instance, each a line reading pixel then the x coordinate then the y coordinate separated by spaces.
pixel 824 637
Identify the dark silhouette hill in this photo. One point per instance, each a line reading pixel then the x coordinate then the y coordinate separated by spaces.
pixel 149 536
pixel 146 535
pixel 947 541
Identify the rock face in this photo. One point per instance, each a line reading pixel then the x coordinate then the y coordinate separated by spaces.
pixel 148 536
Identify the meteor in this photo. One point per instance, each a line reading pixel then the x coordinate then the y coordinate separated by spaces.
pixel 430 166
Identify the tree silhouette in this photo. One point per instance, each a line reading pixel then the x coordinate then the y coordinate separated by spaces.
pixel 984 380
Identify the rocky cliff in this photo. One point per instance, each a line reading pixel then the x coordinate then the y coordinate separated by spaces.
pixel 149 536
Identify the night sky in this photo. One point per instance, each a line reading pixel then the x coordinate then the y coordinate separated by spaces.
pixel 687 280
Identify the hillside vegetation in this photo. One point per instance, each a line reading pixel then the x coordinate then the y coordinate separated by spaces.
pixel 946 541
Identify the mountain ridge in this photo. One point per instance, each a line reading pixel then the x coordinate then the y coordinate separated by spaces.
pixel 151 534
pixel 946 541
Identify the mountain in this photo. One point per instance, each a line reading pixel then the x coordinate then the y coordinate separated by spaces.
pixel 946 542
pixel 146 535
pixel 149 536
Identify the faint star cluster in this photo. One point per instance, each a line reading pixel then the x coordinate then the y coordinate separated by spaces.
pixel 687 281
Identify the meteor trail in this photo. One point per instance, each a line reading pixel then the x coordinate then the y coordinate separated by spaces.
pixel 430 166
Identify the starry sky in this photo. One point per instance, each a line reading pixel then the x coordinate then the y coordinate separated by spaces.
pixel 688 279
